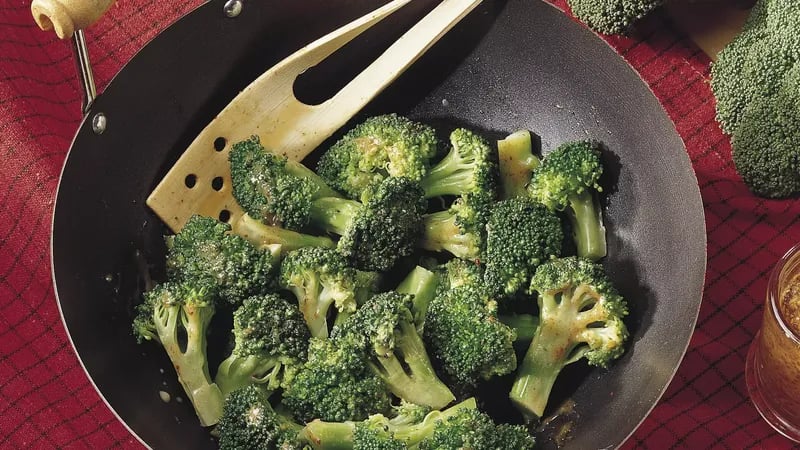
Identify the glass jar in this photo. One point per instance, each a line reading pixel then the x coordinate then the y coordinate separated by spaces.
pixel 772 371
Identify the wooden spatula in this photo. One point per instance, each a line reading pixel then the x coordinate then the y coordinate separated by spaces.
pixel 199 182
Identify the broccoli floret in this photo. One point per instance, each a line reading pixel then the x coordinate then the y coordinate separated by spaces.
pixel 374 235
pixel 320 278
pixel 271 343
pixel 379 432
pixel 581 316
pixel 459 230
pixel 384 331
pixel 473 429
pixel 249 422
pixel 765 144
pixel 516 161
pixel 380 147
pixel 422 284
pixel 272 188
pixel 611 16
pixel 205 249
pixel 266 236
pixel 335 384
pixel 464 335
pixel 177 315
pixel 567 180
pixel 470 167
pixel 459 272
pixel 520 235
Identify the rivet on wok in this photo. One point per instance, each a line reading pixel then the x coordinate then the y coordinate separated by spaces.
pixel 233 8
pixel 99 123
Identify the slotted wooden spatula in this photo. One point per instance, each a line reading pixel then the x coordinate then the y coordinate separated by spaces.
pixel 199 182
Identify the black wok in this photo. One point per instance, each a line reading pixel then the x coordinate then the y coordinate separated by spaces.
pixel 511 64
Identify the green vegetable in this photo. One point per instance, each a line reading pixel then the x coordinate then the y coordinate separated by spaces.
pixel 459 230
pixel 473 429
pixel 249 422
pixel 271 343
pixel 380 147
pixel 516 161
pixel 567 180
pixel 470 167
pixel 422 284
pixel 580 315
pixel 611 16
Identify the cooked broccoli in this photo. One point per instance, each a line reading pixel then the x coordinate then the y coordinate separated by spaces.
pixel 459 230
pixel 271 343
pixel 335 384
pixel 319 278
pixel 462 332
pixel 524 325
pixel 177 315
pixel 470 167
pixel 611 16
pixel 765 143
pixel 422 284
pixel 473 429
pixel 205 249
pixel 272 188
pixel 567 180
pixel 249 422
pixel 380 147
pixel 520 235
pixel 581 316
pixel 379 432
pixel 383 329
pixel 516 161
pixel 267 236
pixel 755 81
pixel 374 235
pixel 458 272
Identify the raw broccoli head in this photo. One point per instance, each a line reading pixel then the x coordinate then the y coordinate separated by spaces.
pixel 567 180
pixel 472 429
pixel 765 144
pixel 384 330
pixel 271 343
pixel 460 230
pixel 379 232
pixel 611 16
pixel 249 422
pixel 177 315
pixel 380 147
pixel 272 188
pixel 520 235
pixel 320 278
pixel 336 384
pixel 470 167
pixel 463 334
pixel 205 249
pixel 580 315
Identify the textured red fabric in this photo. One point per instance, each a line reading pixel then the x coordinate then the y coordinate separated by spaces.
pixel 46 400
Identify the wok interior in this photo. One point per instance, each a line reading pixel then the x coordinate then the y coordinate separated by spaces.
pixel 510 65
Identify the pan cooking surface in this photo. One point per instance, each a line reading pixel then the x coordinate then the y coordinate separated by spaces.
pixel 510 65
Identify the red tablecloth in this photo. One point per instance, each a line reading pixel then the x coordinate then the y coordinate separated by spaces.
pixel 46 400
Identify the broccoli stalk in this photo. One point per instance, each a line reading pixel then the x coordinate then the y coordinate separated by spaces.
pixel 263 236
pixel 422 284
pixel 459 230
pixel 524 325
pixel 516 161
pixel 567 180
pixel 580 317
pixel 379 430
pixel 171 313
pixel 468 168
pixel 383 328
pixel 320 278
pixel 271 343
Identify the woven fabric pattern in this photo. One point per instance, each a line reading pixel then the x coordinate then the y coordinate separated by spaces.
pixel 46 400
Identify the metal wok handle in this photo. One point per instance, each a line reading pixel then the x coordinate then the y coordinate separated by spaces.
pixel 68 18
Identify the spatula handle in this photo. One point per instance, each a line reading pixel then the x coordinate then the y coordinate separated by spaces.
pixel 67 16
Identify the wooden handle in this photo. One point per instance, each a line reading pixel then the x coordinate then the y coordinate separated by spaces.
pixel 67 16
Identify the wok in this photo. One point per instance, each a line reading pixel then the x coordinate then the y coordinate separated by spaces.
pixel 509 65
